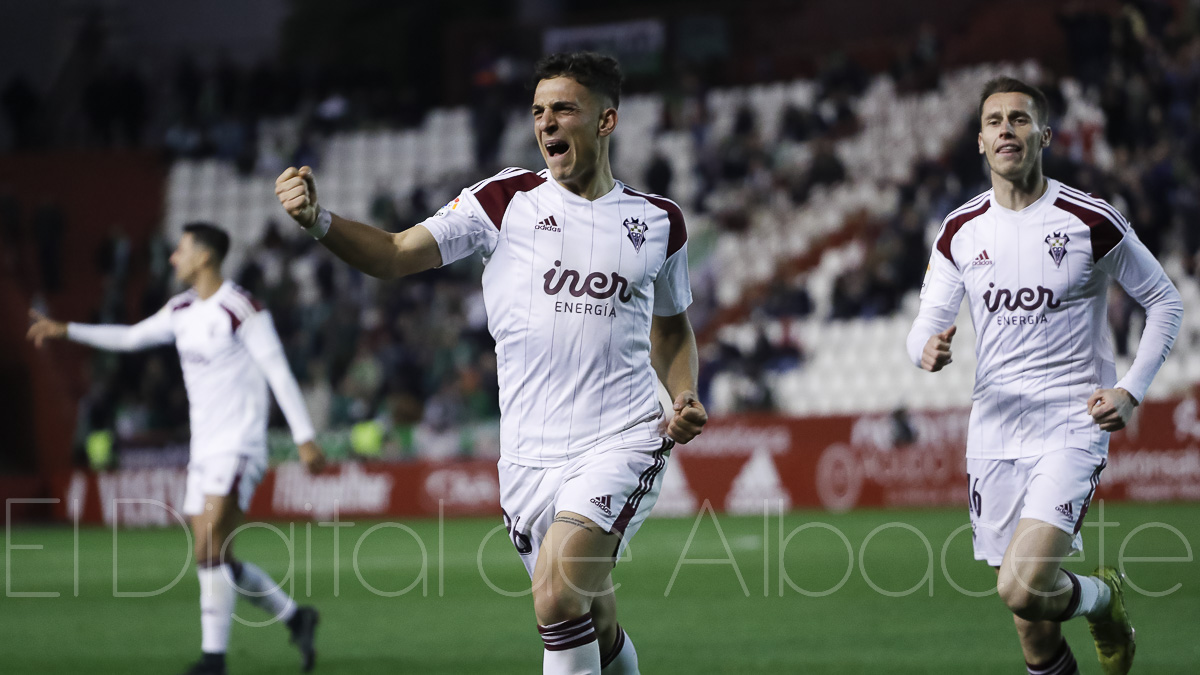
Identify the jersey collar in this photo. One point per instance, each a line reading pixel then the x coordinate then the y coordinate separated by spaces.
pixel 1048 197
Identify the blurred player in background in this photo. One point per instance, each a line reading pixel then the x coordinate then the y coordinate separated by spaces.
pixel 229 352
pixel 1035 259
pixel 586 285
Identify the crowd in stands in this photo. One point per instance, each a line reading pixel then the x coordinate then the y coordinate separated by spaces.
pixel 416 355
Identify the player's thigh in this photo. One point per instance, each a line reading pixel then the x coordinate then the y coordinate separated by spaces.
pixel 219 490
pixel 575 559
pixel 1034 556
pixel 616 488
pixel 527 504
pixel 604 604
pixel 1058 491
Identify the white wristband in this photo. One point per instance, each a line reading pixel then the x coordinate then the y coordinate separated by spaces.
pixel 321 227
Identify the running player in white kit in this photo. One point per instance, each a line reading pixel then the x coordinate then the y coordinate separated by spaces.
pixel 229 353
pixel 1035 258
pixel 586 287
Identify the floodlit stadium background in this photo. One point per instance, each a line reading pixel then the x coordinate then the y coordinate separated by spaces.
pixel 814 148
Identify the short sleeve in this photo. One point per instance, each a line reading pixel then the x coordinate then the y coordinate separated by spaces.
pixel 460 229
pixel 672 286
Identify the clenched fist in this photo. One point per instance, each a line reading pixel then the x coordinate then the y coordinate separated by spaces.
pixel 1111 408
pixel 312 457
pixel 936 354
pixel 297 192
pixel 687 420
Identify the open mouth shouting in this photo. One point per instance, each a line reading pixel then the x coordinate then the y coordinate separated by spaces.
pixel 556 147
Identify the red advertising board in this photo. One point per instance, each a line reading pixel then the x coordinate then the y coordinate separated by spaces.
pixel 835 463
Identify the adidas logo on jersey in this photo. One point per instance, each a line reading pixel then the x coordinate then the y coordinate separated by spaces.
pixel 549 225
pixel 982 259
pixel 605 503
pixel 1066 509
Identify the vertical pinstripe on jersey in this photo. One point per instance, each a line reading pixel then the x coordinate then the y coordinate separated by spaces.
pixel 561 375
pixel 1026 367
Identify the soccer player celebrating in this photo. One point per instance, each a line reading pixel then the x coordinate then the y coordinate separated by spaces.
pixel 229 352
pixel 1035 257
pixel 586 285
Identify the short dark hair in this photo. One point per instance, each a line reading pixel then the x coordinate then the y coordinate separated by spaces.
pixel 601 74
pixel 1005 85
pixel 211 237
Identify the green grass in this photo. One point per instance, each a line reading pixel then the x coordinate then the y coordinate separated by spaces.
pixel 706 623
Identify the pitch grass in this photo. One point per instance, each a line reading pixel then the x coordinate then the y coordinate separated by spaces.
pixel 694 617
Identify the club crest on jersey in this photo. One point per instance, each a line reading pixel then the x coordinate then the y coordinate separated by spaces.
pixel 637 233
pixel 1058 247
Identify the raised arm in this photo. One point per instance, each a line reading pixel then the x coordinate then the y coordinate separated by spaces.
pixel 367 249
pixel 152 332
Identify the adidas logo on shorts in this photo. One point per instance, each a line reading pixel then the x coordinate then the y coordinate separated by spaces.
pixel 1065 509
pixel 605 503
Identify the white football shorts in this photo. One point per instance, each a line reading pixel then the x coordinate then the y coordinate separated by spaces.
pixel 225 474
pixel 613 486
pixel 1055 488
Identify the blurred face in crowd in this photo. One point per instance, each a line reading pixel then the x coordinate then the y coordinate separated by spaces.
pixel 571 124
pixel 1011 137
pixel 189 258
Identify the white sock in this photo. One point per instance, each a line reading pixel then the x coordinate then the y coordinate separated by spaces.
pixel 1094 597
pixel 256 586
pixel 571 647
pixel 621 658
pixel 216 607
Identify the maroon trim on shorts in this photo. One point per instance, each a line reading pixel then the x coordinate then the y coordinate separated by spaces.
pixel 1088 500
pixel 645 484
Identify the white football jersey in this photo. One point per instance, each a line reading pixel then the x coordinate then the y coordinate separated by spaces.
pixel 1037 282
pixel 570 287
pixel 229 351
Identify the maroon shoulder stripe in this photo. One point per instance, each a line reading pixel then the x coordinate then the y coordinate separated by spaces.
pixel 1096 203
pixel 182 301
pixel 258 306
pixel 496 195
pixel 506 172
pixel 234 321
pixel 954 225
pixel 678 236
pixel 1105 233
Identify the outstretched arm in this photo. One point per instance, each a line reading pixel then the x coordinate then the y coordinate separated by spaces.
pixel 676 361
pixel 367 249
pixel 152 332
